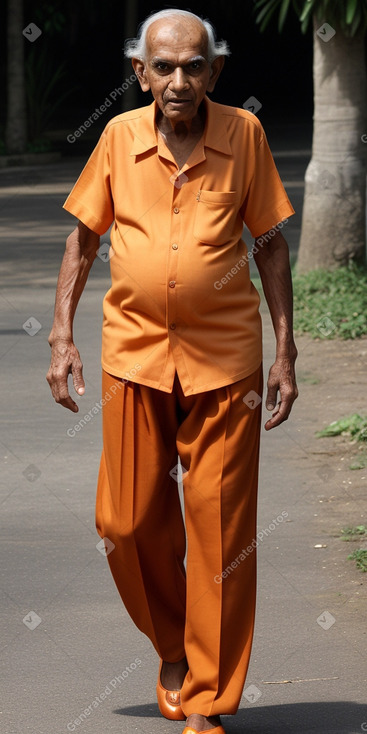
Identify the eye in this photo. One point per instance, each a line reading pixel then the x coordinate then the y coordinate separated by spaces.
pixel 195 67
pixel 161 66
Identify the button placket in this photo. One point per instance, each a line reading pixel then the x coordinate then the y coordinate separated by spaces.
pixel 173 259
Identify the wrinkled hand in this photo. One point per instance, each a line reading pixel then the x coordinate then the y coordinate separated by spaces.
pixel 65 360
pixel 281 379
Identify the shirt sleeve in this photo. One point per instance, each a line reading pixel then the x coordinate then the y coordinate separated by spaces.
pixel 91 200
pixel 266 203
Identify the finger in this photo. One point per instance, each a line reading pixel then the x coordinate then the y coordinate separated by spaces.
pixel 69 404
pixel 78 381
pixel 60 392
pixel 280 414
pixel 271 398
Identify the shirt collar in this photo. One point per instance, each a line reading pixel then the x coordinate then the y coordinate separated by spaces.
pixel 215 132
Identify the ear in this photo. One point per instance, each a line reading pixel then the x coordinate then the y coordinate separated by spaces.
pixel 216 68
pixel 140 71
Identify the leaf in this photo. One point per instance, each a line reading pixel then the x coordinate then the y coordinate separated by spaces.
pixel 357 23
pixel 307 10
pixel 350 11
pixel 283 14
pixel 267 11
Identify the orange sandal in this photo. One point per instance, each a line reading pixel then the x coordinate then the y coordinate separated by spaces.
pixel 216 730
pixel 169 702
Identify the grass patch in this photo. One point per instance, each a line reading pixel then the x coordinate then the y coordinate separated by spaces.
pixel 354 425
pixel 308 379
pixel 360 557
pixel 331 304
pixel 359 463
pixel 353 533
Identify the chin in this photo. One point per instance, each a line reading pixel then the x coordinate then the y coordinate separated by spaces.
pixel 183 115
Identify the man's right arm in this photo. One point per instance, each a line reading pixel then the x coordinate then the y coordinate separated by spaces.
pixel 81 250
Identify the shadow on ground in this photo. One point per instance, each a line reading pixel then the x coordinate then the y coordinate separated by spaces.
pixel 332 717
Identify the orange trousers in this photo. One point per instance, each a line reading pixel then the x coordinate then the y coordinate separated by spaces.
pixel 205 612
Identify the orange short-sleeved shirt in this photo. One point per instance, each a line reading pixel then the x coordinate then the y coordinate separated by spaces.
pixel 181 298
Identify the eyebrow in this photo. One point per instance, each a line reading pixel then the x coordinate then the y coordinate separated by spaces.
pixel 158 59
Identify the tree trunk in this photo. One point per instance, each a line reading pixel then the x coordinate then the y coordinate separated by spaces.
pixel 334 209
pixel 130 96
pixel 16 115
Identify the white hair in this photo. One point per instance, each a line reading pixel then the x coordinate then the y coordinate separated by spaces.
pixel 136 47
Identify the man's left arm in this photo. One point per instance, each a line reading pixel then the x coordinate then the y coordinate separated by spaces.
pixel 272 260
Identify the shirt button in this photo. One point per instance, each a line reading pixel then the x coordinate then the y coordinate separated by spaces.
pixel 176 210
pixel 172 283
pixel 174 247
pixel 172 326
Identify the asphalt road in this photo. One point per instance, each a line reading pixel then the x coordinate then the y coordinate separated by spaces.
pixel 66 642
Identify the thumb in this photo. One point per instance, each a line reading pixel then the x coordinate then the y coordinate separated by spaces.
pixel 271 397
pixel 79 384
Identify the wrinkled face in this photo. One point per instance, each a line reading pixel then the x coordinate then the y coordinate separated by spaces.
pixel 176 69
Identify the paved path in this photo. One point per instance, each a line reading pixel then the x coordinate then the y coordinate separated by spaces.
pixel 66 642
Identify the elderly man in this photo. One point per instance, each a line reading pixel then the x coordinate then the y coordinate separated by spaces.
pixel 181 358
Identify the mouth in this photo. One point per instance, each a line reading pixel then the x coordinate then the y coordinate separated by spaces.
pixel 179 101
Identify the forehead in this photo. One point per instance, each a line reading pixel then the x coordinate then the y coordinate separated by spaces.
pixel 175 35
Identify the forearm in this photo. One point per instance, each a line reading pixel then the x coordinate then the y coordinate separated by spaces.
pixel 81 249
pixel 272 261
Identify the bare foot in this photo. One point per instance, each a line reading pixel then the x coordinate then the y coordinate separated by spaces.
pixel 173 674
pixel 202 723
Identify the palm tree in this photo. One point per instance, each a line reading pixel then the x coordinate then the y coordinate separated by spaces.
pixel 16 117
pixel 334 209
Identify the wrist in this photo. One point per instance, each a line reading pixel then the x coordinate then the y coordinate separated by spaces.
pixel 55 338
pixel 287 350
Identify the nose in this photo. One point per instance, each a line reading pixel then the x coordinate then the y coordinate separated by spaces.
pixel 179 81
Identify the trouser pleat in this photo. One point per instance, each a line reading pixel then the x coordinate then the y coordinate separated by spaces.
pixel 207 614
pixel 138 509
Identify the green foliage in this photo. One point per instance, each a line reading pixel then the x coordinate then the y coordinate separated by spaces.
pixel 360 557
pixel 354 425
pixel 341 296
pixel 50 16
pixel 39 145
pixel 348 15
pixel 353 533
pixel 359 463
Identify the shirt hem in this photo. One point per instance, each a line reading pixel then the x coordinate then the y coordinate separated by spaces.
pixel 205 387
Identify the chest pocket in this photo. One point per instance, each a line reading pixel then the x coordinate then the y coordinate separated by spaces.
pixel 215 216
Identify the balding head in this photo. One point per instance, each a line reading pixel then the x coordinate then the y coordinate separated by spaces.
pixel 182 32
pixel 136 47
